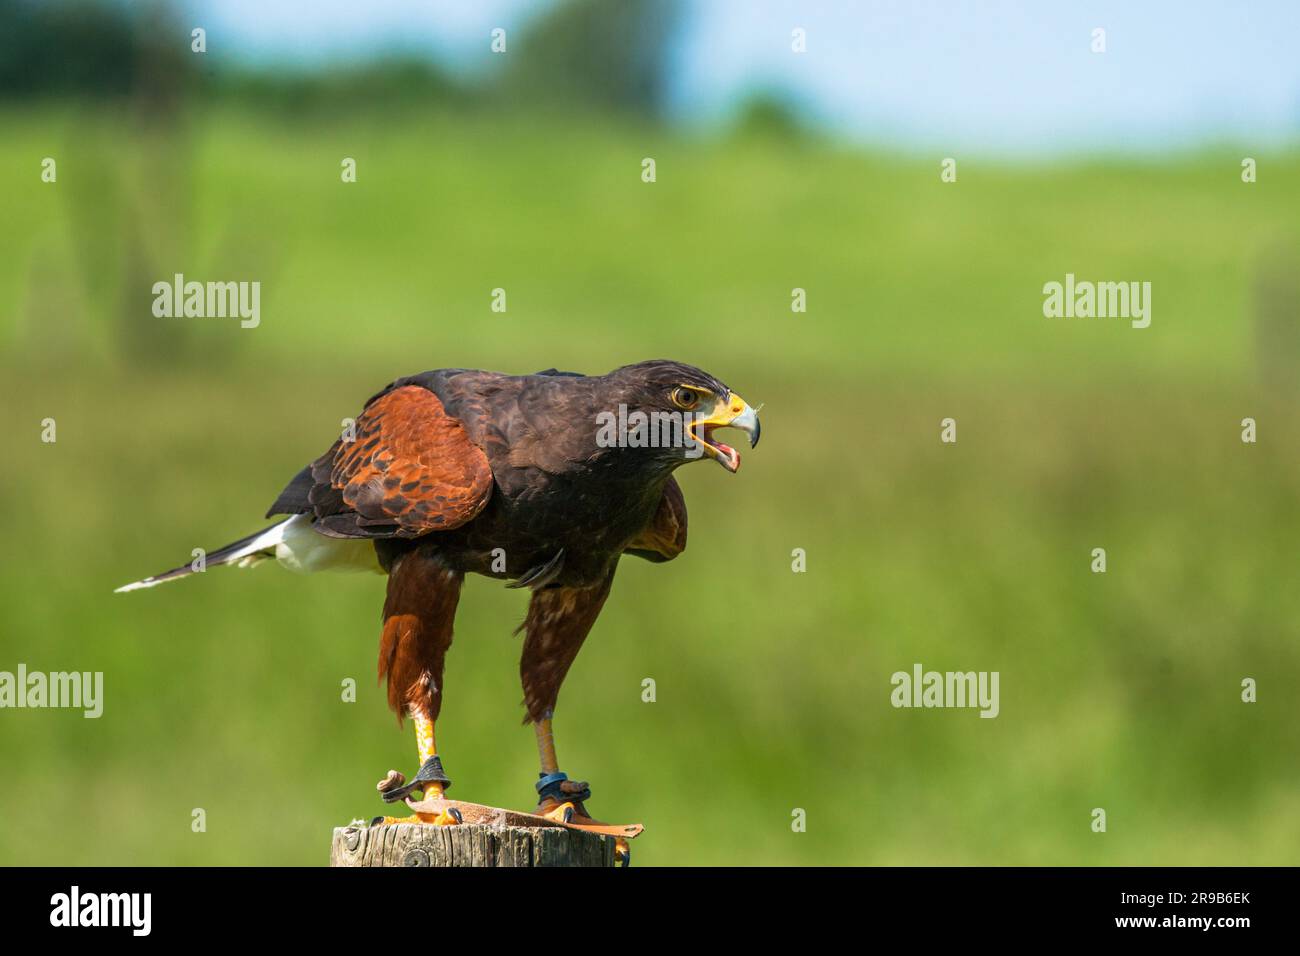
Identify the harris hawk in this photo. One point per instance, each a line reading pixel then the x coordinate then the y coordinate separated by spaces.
pixel 516 477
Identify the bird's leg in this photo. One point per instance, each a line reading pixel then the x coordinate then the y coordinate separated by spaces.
pixel 546 746
pixel 431 778
pixel 559 798
pixel 426 749
pixel 418 615
pixel 558 621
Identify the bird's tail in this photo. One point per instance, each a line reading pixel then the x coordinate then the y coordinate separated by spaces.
pixel 244 552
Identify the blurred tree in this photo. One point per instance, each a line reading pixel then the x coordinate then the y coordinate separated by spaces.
pixel 129 209
pixel 59 47
pixel 158 235
pixel 596 54
pixel 390 82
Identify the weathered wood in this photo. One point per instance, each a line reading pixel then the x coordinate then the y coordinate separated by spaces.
pixel 469 844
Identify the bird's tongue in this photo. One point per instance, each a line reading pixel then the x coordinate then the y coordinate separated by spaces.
pixel 727 456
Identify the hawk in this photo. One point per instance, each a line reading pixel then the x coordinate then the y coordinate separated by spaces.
pixel 542 480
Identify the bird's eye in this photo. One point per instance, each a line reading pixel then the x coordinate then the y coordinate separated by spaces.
pixel 685 398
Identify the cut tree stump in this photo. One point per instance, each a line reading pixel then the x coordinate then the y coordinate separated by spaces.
pixel 468 844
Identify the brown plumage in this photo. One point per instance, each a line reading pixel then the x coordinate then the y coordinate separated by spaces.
pixel 457 471
pixel 418 615
pixel 410 469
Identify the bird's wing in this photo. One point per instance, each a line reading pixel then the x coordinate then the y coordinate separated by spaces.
pixel 411 469
pixel 665 537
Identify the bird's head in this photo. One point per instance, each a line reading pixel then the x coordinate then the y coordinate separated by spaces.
pixel 677 408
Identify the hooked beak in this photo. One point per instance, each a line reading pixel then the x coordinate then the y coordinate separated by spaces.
pixel 732 413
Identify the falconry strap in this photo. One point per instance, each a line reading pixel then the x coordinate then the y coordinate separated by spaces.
pixel 557 786
pixel 430 772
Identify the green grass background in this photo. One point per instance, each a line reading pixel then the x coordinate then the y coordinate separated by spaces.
pixel 1119 691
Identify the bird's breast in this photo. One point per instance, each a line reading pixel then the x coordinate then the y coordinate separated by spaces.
pixel 528 522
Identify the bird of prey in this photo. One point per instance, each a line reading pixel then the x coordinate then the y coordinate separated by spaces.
pixel 542 480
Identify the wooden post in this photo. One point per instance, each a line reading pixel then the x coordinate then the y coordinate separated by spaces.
pixel 468 844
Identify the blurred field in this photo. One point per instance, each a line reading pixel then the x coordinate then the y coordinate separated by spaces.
pixel 1118 691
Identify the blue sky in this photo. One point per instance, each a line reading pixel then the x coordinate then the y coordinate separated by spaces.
pixel 1002 76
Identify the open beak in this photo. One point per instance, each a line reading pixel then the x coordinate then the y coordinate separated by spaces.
pixel 732 413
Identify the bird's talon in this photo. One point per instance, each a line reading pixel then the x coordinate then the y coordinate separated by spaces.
pixel 561 813
pixel 449 817
pixel 393 780
pixel 622 852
